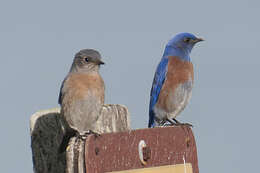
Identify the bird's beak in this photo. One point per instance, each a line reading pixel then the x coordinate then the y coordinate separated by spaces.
pixel 100 62
pixel 198 40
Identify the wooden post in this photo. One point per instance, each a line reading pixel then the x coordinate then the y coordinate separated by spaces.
pixel 47 132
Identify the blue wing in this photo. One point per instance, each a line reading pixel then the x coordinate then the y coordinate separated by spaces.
pixel 158 81
pixel 61 94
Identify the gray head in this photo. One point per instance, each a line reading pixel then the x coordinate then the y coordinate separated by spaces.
pixel 86 60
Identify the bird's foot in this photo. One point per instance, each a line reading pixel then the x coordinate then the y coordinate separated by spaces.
pixel 174 122
pixel 185 124
pixel 85 134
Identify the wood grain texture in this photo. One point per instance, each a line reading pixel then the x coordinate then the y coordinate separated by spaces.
pixel 46 136
pixel 47 130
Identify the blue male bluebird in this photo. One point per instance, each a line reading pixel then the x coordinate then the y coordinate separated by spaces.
pixel 82 94
pixel 173 81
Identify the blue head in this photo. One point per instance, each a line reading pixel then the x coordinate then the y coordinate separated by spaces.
pixel 181 45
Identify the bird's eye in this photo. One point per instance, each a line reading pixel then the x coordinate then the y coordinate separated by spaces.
pixel 186 40
pixel 87 59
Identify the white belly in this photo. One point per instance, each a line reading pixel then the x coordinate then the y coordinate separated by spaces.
pixel 176 102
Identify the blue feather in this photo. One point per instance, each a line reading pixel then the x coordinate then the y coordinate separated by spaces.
pixel 158 81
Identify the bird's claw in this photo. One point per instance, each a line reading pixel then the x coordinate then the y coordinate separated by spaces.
pixel 174 122
pixel 85 134
pixel 94 133
pixel 184 124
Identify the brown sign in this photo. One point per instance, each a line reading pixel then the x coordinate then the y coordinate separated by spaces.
pixel 144 148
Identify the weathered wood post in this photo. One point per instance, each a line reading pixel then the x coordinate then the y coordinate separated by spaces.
pixel 47 131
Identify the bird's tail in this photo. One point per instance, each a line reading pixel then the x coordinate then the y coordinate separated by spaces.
pixel 65 141
pixel 151 119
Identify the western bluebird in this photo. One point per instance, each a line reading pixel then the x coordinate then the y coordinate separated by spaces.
pixel 82 94
pixel 173 81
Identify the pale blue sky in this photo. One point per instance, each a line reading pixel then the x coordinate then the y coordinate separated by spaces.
pixel 39 39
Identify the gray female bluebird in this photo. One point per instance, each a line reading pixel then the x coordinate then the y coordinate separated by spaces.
pixel 173 81
pixel 82 93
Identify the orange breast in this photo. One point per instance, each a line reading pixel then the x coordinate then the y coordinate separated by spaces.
pixel 179 72
pixel 82 84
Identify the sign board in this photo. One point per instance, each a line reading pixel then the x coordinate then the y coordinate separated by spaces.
pixel 163 149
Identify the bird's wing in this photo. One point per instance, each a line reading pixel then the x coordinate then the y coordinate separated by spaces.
pixel 61 91
pixel 158 81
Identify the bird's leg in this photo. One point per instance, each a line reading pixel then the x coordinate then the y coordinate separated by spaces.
pixel 175 122
pixel 172 122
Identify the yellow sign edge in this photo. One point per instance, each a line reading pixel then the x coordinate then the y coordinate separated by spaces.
pixel 178 168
